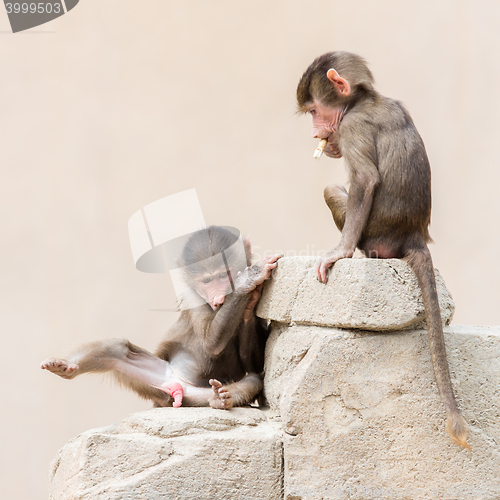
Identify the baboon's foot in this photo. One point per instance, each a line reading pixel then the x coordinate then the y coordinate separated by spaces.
pixel 60 367
pixel 221 399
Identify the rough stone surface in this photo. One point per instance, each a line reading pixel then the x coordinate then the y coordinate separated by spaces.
pixel 356 413
pixel 361 412
pixel 174 453
pixel 367 294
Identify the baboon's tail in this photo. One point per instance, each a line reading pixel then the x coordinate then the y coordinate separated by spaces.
pixel 421 262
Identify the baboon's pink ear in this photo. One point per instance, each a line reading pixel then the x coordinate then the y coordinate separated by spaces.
pixel 342 85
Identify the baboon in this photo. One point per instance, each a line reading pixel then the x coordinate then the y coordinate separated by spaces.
pixel 214 354
pixel 386 212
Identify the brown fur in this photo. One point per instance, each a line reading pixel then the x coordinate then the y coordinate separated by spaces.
pixel 386 212
pixel 225 345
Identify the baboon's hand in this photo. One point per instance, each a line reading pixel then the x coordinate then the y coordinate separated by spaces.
pixel 257 273
pixel 327 261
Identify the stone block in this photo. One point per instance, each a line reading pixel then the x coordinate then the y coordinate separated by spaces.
pixel 174 454
pixel 366 294
pixel 362 414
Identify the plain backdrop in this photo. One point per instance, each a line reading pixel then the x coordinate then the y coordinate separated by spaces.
pixel 120 103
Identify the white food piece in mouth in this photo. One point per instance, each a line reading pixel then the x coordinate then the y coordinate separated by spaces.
pixel 319 150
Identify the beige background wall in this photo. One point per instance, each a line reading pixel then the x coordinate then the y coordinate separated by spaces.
pixel 120 103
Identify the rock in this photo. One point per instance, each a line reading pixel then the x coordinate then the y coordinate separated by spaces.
pixel 361 412
pixel 174 453
pixel 367 294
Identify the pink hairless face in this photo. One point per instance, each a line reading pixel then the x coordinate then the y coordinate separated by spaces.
pixel 214 287
pixel 325 124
